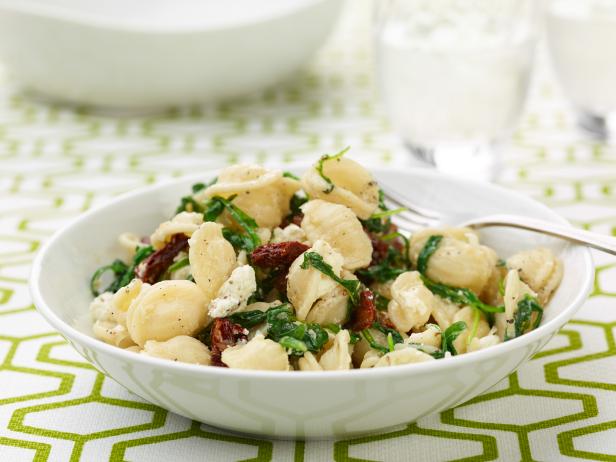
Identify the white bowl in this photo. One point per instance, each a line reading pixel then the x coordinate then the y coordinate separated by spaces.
pixel 151 53
pixel 298 404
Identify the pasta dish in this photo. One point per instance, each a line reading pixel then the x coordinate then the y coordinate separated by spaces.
pixel 260 269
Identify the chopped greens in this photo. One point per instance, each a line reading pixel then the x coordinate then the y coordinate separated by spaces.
pixel 450 335
pixel 238 241
pixel 216 205
pixel 181 263
pixel 381 302
pixel 283 327
pixel 123 273
pixel 296 202
pixel 324 158
pixel 426 252
pixel 290 175
pixel 392 334
pixel 460 296
pixel 378 224
pixel 189 204
pixel 386 213
pixel 117 267
pixel 522 319
pixel 315 260
pixel 387 269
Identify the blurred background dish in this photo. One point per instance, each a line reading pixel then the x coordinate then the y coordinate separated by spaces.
pixel 454 76
pixel 152 53
pixel 582 37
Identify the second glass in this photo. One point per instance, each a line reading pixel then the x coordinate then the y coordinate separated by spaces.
pixel 454 75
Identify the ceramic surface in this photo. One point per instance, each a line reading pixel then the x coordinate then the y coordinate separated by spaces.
pixel 308 404
pixel 148 54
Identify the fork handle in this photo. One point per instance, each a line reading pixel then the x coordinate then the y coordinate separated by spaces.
pixel 595 240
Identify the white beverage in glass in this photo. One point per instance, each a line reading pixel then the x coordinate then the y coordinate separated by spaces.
pixel 454 77
pixel 582 42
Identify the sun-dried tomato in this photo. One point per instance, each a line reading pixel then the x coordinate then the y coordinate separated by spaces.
pixel 365 313
pixel 153 267
pixel 224 334
pixel 383 319
pixel 277 255
pixel 295 219
pixel 379 246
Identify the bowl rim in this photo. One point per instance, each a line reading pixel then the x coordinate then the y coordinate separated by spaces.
pixel 67 330
pixel 80 17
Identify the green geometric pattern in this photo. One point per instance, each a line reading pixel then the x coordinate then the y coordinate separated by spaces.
pixel 56 162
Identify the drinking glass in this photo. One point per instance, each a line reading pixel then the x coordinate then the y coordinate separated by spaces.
pixel 453 76
pixel 582 41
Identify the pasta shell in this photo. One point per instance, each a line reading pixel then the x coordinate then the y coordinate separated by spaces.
pixel 340 228
pixel 540 269
pixel 515 290
pixel 338 356
pixel 259 353
pixel 459 260
pixel 183 223
pixel 306 286
pixel 234 293
pixel 165 310
pixel 263 194
pixel 309 362
pixel 181 348
pixel 412 302
pixel 403 356
pixel 212 258
pixel 354 186
pixel 467 315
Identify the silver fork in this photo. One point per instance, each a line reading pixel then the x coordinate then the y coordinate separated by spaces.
pixel 415 217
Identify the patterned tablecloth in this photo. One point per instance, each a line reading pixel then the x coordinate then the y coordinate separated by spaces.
pixel 56 162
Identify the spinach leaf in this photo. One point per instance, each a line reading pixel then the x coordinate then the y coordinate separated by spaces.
pixel 460 296
pixel 290 175
pixel 189 204
pixel 178 265
pixel 381 302
pixel 215 207
pixel 392 266
pixel 283 327
pixel 449 336
pixel 426 252
pixel 117 267
pixel 237 240
pixel 296 202
pixel 386 213
pixel 324 158
pixel 315 260
pixel 248 319
pixel 392 334
pixel 522 319
pixel 123 273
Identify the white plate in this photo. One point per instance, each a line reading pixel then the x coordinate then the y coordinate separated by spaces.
pixel 301 404
pixel 143 54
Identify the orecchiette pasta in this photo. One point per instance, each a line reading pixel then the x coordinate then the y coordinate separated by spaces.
pixel 469 315
pixel 431 336
pixel 258 353
pixel 338 356
pixel 340 228
pixel 181 348
pixel 183 223
pixel 274 278
pixel 403 356
pixel 262 194
pixel 515 290
pixel 540 269
pixel 353 186
pixel 412 303
pixel 212 258
pixel 306 286
pixel 165 310
pixel 459 260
